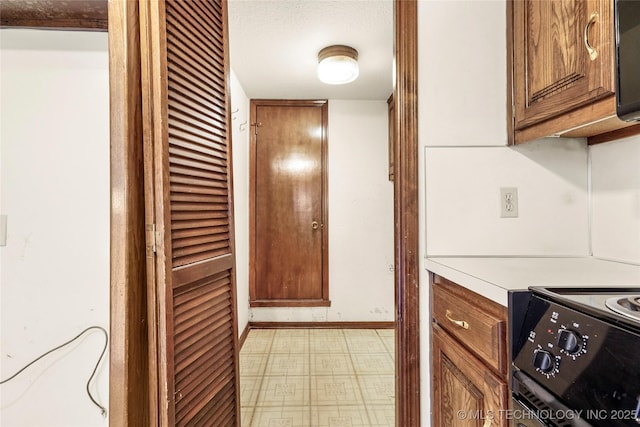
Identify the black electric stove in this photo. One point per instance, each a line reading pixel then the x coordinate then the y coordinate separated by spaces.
pixel 575 356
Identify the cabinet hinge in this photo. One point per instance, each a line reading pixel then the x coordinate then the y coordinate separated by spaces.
pixel 151 239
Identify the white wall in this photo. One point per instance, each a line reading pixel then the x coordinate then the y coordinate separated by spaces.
pixel 360 220
pixel 360 212
pixel 615 200
pixel 462 57
pixel 461 102
pixel 464 159
pixel 463 199
pixel 240 151
pixel 55 190
pixel 462 114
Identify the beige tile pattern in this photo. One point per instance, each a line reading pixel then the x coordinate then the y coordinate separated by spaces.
pixel 372 363
pixel 318 378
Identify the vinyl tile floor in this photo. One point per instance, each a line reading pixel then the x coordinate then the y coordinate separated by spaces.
pixel 318 378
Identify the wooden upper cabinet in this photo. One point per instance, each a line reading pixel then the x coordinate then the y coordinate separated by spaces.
pixel 562 54
pixel 555 71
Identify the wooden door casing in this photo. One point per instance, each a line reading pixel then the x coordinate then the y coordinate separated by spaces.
pixel 553 71
pixel 406 197
pixel 288 217
pixel 127 295
pixel 84 15
pixel 128 346
pixel 392 133
pixel 465 391
pixel 192 307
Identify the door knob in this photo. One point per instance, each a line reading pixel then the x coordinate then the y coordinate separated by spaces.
pixel 315 225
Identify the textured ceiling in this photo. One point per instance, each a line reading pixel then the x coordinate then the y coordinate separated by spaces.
pixel 274 46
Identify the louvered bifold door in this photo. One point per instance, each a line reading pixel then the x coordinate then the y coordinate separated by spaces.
pixel 188 174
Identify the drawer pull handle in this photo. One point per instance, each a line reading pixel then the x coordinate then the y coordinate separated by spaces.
pixel 593 54
pixel 460 323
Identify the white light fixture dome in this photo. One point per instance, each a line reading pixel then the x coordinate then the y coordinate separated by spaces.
pixel 338 65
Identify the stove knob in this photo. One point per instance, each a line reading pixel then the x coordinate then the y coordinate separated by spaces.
pixel 569 341
pixel 543 360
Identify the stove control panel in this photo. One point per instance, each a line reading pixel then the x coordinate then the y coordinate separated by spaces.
pixel 585 361
pixel 556 340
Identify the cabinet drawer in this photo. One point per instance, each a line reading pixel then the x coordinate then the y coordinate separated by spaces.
pixel 478 323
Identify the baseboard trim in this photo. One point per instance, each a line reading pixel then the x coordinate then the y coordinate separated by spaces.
pixel 322 325
pixel 243 336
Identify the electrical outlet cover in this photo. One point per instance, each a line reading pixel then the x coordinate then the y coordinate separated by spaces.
pixel 508 202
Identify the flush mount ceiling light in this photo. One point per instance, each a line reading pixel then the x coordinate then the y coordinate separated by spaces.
pixel 338 65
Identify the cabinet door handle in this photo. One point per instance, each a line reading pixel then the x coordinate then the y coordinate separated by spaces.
pixel 593 54
pixel 460 323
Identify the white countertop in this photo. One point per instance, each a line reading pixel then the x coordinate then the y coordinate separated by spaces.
pixel 493 277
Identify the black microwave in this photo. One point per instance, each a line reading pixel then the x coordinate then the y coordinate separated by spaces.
pixel 627 23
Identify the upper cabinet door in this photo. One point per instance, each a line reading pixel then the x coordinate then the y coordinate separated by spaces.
pixel 563 56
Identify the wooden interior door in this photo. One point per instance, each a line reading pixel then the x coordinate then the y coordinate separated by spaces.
pixel 193 339
pixel 288 209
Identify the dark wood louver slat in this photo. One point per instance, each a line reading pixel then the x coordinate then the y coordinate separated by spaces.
pixel 202 360
pixel 199 296
pixel 203 319
pixel 191 46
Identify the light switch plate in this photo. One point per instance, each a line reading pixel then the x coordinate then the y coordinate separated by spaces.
pixel 3 230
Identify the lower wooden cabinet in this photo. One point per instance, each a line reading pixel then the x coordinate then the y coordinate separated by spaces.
pixel 465 391
pixel 468 388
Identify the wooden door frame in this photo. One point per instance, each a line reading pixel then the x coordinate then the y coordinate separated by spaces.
pixel 407 236
pixel 129 364
pixel 128 340
pixel 324 301
pixel 129 367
